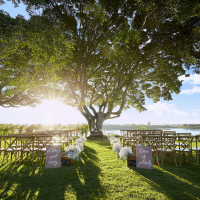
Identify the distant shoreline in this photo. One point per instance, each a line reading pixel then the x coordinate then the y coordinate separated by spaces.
pixel 149 127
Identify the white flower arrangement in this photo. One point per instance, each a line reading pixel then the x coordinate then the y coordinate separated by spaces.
pixel 125 152
pixel 114 140
pixel 80 144
pixel 111 137
pixel 80 141
pixel 83 138
pixel 73 151
pixel 116 147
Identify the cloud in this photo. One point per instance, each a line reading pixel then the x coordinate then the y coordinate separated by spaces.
pixel 191 91
pixel 193 79
pixel 196 110
pixel 195 114
pixel 159 109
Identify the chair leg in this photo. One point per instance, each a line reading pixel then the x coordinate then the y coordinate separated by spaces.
pixel 32 156
pixel 26 157
pixel 162 159
pixel 7 156
pixel 174 156
pixel 3 158
pixel 37 158
pixel 180 159
pixel 197 155
pixel 20 158
pixel 15 158
pixel 192 158
pixel 157 159
pixel 153 157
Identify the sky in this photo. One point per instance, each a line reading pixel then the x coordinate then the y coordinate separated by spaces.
pixel 183 109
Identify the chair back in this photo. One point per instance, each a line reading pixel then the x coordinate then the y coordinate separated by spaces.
pixel 65 138
pixel 136 140
pixel 168 142
pixel 183 134
pixel 168 133
pixel 10 142
pixel 156 132
pixel 152 140
pixel 142 132
pixel 185 143
pixel 27 142
pixel 43 140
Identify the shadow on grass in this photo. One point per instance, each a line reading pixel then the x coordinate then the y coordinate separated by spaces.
pixel 174 182
pixel 79 181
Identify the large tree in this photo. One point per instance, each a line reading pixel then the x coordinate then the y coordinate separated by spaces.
pixel 123 51
pixel 27 59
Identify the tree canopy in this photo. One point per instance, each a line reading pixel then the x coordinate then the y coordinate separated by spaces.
pixel 29 59
pixel 123 51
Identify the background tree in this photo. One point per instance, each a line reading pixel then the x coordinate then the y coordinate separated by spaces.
pixel 123 51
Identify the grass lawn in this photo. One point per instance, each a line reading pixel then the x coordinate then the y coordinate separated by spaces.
pixel 99 174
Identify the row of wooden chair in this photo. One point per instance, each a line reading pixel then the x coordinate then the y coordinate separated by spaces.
pixel 127 133
pixel 166 144
pixel 32 143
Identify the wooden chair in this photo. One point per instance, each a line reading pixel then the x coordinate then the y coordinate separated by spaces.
pixel 185 146
pixel 67 132
pixel 197 148
pixel 124 136
pixel 182 134
pixel 153 141
pixel 142 132
pixel 65 138
pixel 56 139
pixel 167 147
pixel 42 142
pixel 156 132
pixel 27 146
pixel 10 146
pixel 136 140
pixel 168 133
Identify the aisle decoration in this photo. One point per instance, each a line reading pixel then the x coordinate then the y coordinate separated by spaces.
pixel 111 137
pixel 114 140
pixel 73 151
pixel 125 153
pixel 116 147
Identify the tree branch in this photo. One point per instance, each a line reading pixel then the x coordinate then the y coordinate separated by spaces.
pixel 87 112
pixel 94 111
pixel 150 14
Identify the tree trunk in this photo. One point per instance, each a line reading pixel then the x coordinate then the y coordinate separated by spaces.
pixel 95 120
pixel 95 123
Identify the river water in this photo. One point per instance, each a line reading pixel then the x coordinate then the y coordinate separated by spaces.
pixel 178 130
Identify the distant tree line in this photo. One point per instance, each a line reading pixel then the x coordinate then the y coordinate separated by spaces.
pixel 6 129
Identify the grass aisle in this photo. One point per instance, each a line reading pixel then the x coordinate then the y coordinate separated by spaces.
pixel 99 174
